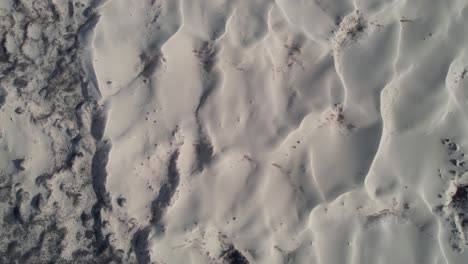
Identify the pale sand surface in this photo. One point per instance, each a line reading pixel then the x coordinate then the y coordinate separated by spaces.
pixel 234 131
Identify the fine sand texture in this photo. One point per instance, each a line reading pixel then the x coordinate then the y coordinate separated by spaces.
pixel 234 131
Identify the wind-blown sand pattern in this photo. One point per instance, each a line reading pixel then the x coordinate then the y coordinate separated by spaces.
pixel 230 131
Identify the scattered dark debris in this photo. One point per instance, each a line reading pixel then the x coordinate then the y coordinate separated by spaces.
pixel 19 110
pixel 452 146
pixel 445 140
pixel 204 152
pixel 207 54
pixel 89 234
pixel 455 207
pixel 20 83
pixel 121 201
pixel 405 20
pixel 85 218
pixel 459 199
pixel 384 214
pixel 19 164
pixel 350 28
pixel 233 256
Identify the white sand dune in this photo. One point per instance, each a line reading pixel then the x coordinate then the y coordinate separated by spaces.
pixel 302 131
pixel 221 131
